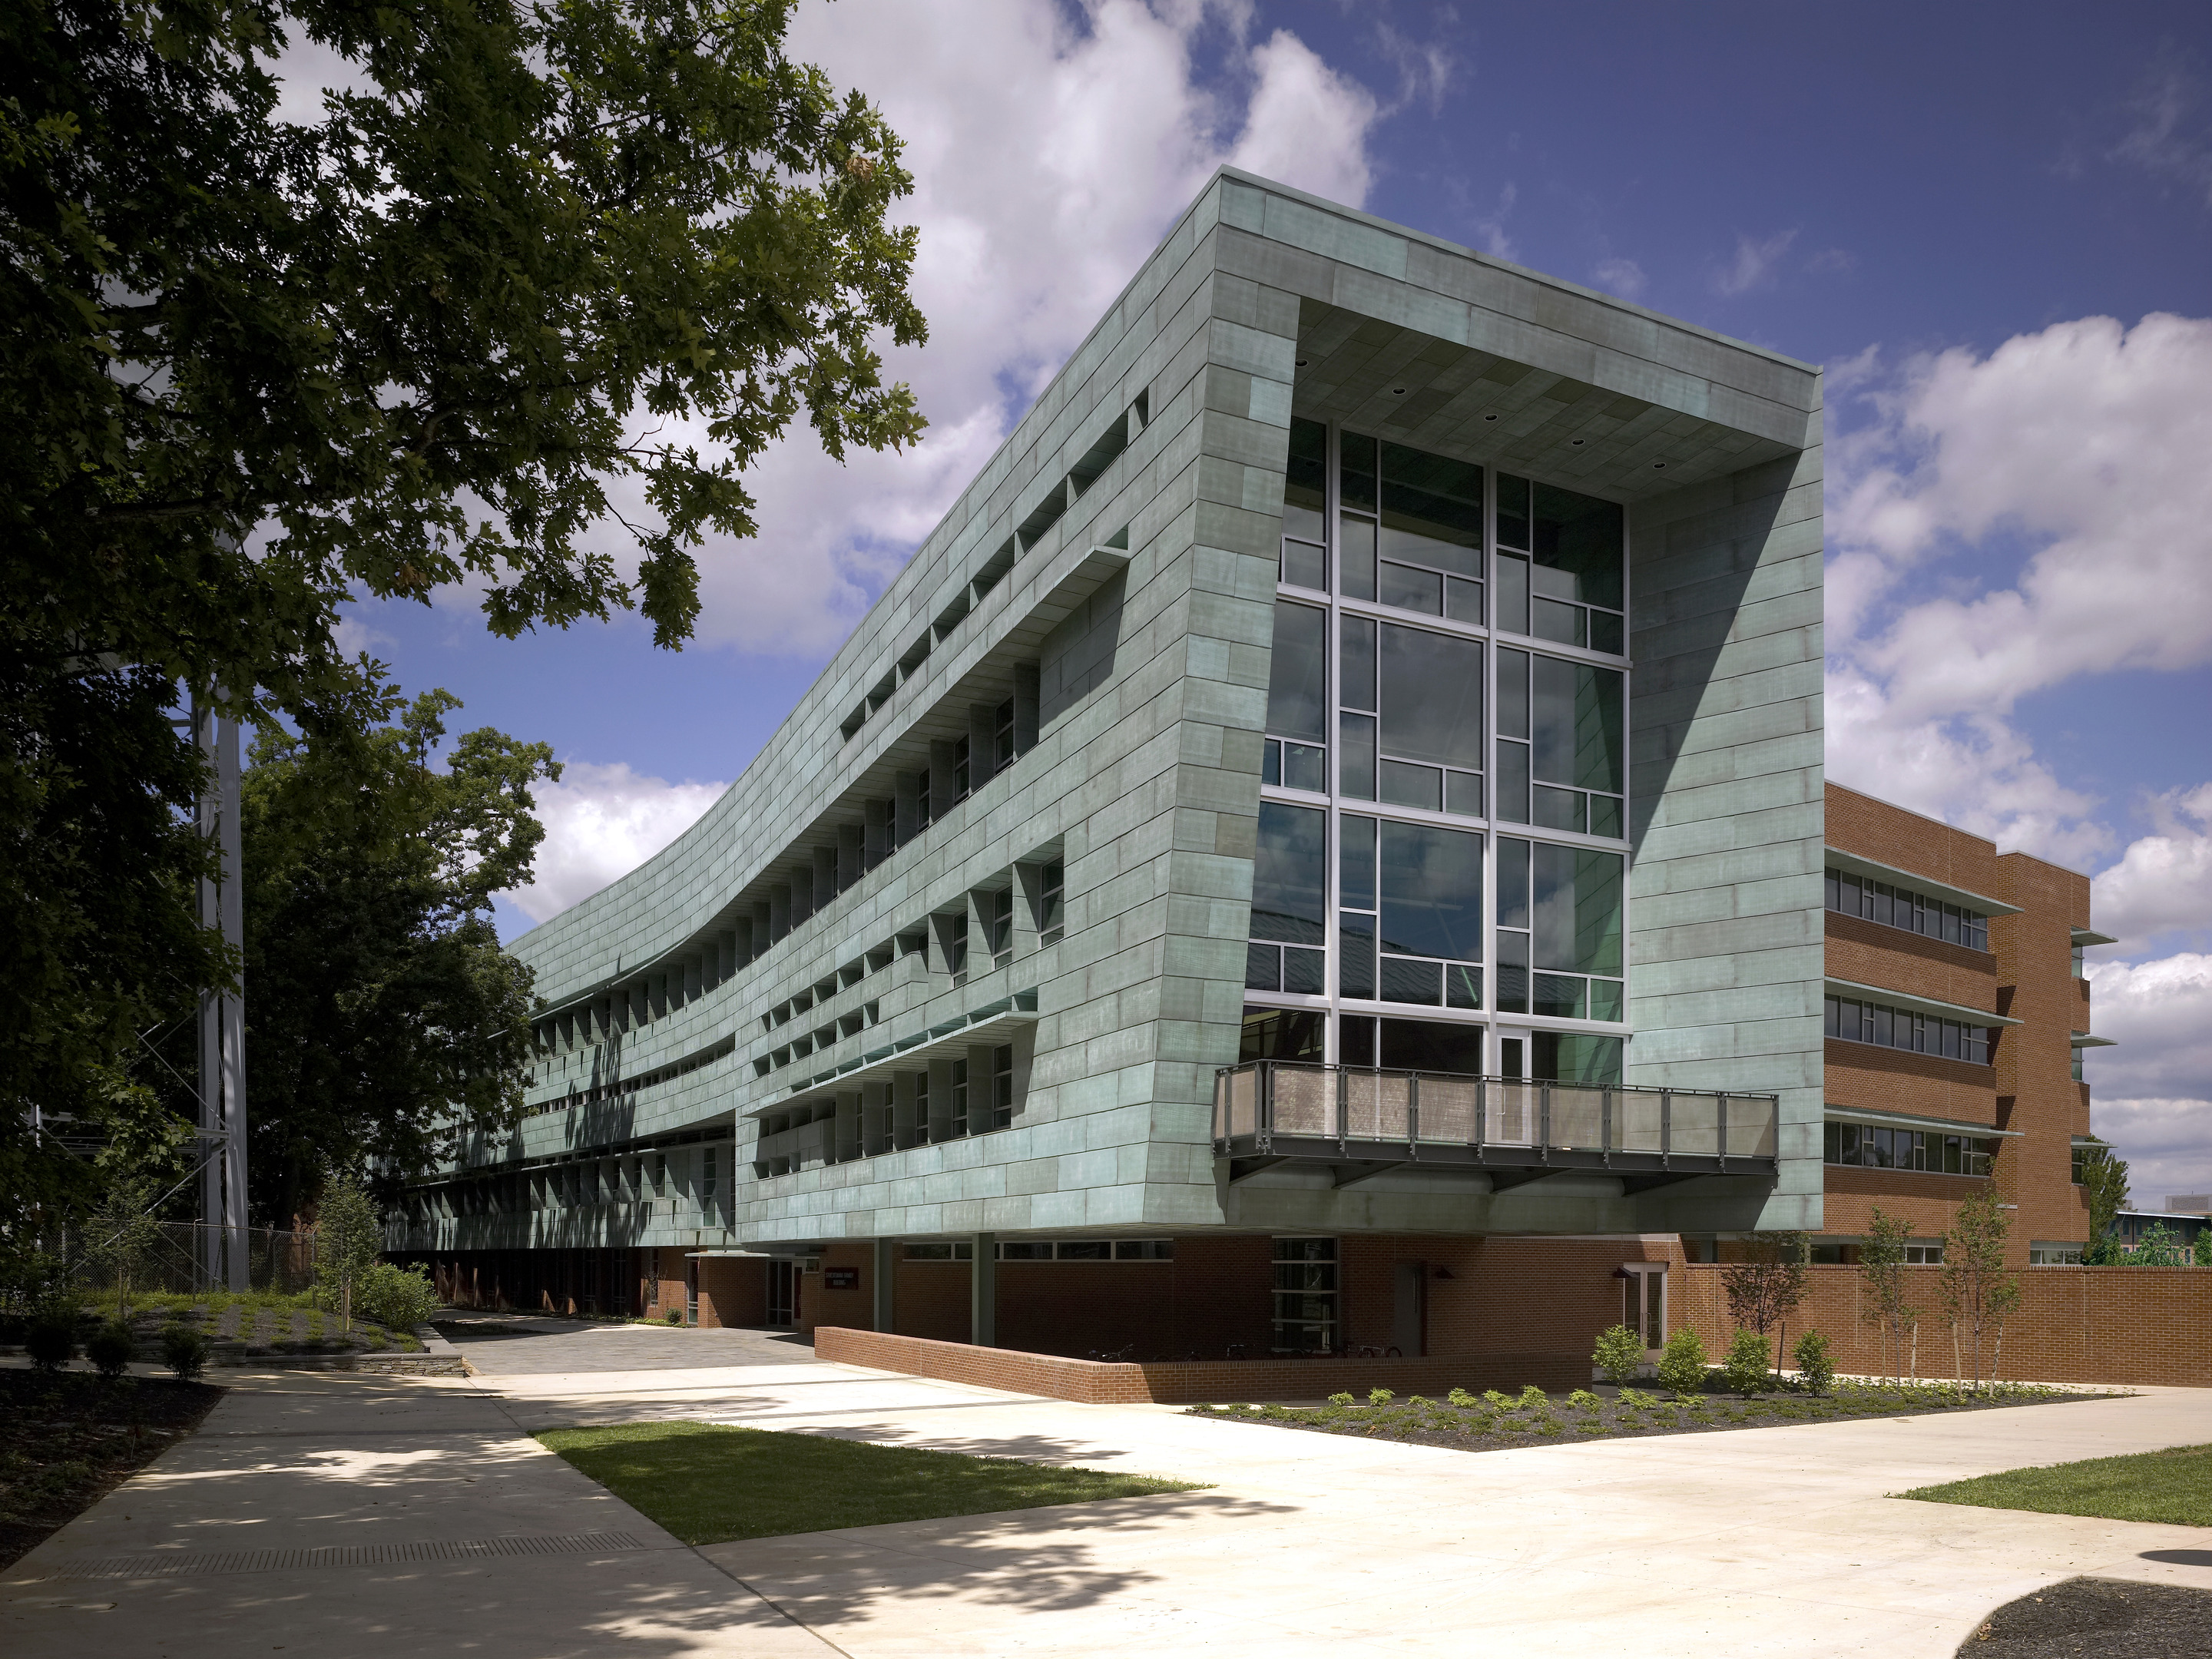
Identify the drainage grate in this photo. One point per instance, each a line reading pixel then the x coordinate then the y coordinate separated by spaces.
pixel 339 1555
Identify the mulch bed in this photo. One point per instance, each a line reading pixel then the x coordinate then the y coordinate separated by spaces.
pixel 2109 1617
pixel 1499 1422
pixel 66 1441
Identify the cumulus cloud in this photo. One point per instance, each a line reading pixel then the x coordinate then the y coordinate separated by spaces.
pixel 2160 1076
pixel 2163 883
pixel 602 822
pixel 2167 1144
pixel 1754 262
pixel 2084 443
pixel 2162 138
pixel 1621 277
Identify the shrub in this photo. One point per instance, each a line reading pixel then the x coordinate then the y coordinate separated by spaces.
pixel 400 1297
pixel 675 1315
pixel 1339 1399
pixel 184 1351
pixel 1682 1362
pixel 1619 1355
pixel 1814 1362
pixel 1745 1364
pixel 109 1349
pixel 1380 1397
pixel 1582 1399
pixel 1505 1402
pixel 51 1337
pixel 1534 1398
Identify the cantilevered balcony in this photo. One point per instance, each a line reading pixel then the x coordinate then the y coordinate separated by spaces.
pixel 1362 1123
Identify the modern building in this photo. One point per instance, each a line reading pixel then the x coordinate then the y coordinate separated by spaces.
pixel 1956 1014
pixel 1322 847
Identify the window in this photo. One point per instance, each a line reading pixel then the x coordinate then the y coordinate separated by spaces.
pixel 1872 1146
pixel 1430 547
pixel 1144 1250
pixel 1560 922
pixel 1281 1034
pixel 1561 763
pixel 960 769
pixel 921 1127
pixel 1562 578
pixel 1305 507
pixel 1002 1087
pixel 1413 708
pixel 1296 756
pixel 706 1179
pixel 997 908
pixel 1415 891
pixel 1288 901
pixel 1052 902
pixel 1897 907
pixel 1850 1021
pixel 1924 1253
pixel 2046 1253
pixel 1305 1295
pixel 1409 1045
pixel 2075 1067
pixel 953 931
pixel 2080 961
pixel 957 1125
pixel 938 1252
pixel 1002 726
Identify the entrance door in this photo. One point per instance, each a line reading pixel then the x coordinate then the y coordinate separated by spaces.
pixel 783 1293
pixel 1643 1303
pixel 1409 1308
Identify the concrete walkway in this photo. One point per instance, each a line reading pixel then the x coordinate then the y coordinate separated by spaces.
pixel 1769 1540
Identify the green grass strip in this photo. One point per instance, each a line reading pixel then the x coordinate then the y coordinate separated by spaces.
pixel 709 1483
pixel 2173 1487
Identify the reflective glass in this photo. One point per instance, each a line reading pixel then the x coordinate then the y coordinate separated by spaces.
pixel 1431 886
pixel 1355 1039
pixel 1432 510
pixel 1406 785
pixel 1512 882
pixel 1558 809
pixel 1305 768
pixel 1512 693
pixel 1409 589
pixel 1512 512
pixel 1305 973
pixel 1605 815
pixel 1463 794
pixel 1263 967
pixel 1305 488
pixel 1355 552
pixel 1550 620
pixel 1288 901
pixel 1576 723
pixel 1607 634
pixel 1431 696
pixel 1605 999
pixel 1356 640
pixel 1420 982
pixel 1462 987
pixel 1512 782
pixel 1577 909
pixel 1513 973
pixel 1355 865
pixel 1578 546
pixel 1512 593
pixel 1281 1034
pixel 1430 1045
pixel 1305 565
pixel 1462 600
pixel 1355 954
pixel 1573 1057
pixel 1559 996
pixel 1297 679
pixel 1270 763
pixel 1356 478
pixel 1355 771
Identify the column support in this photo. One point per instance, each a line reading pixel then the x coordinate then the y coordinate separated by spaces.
pixel 983 1292
pixel 881 1283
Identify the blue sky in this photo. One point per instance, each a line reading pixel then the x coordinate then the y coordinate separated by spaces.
pixel 1939 203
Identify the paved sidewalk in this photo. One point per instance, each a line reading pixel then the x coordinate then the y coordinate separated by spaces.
pixel 496 1344
pixel 468 1537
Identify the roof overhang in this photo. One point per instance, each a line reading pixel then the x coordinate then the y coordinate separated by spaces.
pixel 2087 936
pixel 1948 1125
pixel 994 1022
pixel 2083 1039
pixel 1940 1010
pixel 1853 864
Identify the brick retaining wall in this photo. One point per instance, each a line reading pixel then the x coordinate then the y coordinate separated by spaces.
pixel 1179 1382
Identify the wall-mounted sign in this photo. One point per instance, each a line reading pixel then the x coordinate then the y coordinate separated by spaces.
pixel 841 1278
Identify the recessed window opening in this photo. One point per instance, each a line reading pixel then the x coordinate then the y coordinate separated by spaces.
pixel 998 909
pixel 1002 1087
pixel 1052 902
pixel 1853 1021
pixel 1874 1146
pixel 1305 1315
pixel 1916 912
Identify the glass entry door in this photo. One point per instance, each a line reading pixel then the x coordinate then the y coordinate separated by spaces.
pixel 783 1293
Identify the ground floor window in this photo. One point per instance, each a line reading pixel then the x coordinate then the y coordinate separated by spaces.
pixel 2043 1253
pixel 1305 1311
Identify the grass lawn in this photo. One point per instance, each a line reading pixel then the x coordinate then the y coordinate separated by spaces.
pixel 709 1483
pixel 2173 1485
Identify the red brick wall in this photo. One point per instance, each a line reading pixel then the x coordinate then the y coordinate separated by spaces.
pixel 2119 1326
pixel 2036 1090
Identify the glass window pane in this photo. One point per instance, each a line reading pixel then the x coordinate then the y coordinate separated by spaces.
pixel 1513 973
pixel 1463 793
pixel 1420 982
pixel 1355 1039
pixel 1432 510
pixel 1430 1045
pixel 1281 1034
pixel 1431 696
pixel 1431 882
pixel 1575 716
pixel 1297 679
pixel 1512 693
pixel 1512 511
pixel 1558 809
pixel 1270 763
pixel 1357 480
pixel 1573 1057
pixel 1355 551
pixel 1579 538
pixel 1305 768
pixel 1305 488
pixel 1577 909
pixel 1355 769
pixel 1462 600
pixel 1512 593
pixel 1263 967
pixel 1289 901
pixel 1605 815
pixel 1559 996
pixel 1512 882
pixel 1607 633
pixel 1356 643
pixel 1409 589
pixel 1513 782
pixel 1462 987
pixel 1305 973
pixel 1407 785
pixel 1355 864
pixel 1305 565
pixel 1550 620
pixel 1355 953
pixel 1607 1000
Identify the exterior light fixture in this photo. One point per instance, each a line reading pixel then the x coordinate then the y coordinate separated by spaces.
pixel 1397 392
pixel 1490 418
pixel 1579 443
pixel 1658 466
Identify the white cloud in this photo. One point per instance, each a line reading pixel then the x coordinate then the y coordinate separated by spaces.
pixel 2084 443
pixel 1754 262
pixel 2159 141
pixel 2167 1144
pixel 602 822
pixel 1621 277
pixel 1051 151
pixel 2159 1078
pixel 2163 883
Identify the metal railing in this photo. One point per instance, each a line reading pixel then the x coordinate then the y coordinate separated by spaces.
pixel 1262 1101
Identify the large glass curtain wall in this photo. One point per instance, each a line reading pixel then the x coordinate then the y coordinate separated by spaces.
pixel 1440 878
